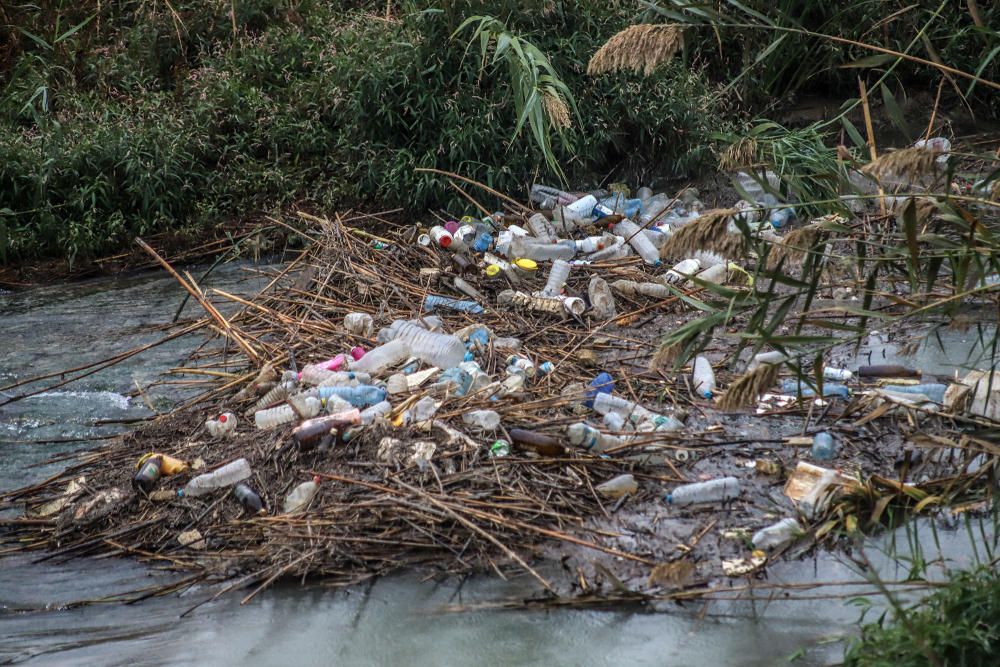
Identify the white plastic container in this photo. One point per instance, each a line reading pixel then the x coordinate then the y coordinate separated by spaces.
pixel 703 377
pixel 619 486
pixel 602 301
pixel 286 414
pixel 371 414
pixel 713 491
pixel 382 357
pixel 579 212
pixel 227 475
pixel 441 236
pixel 483 420
pixel 641 418
pixel 397 384
pixel 714 274
pixel 558 275
pixel 591 439
pixel 524 247
pixel 359 324
pixel 541 227
pixel 777 535
pixel 615 422
pixel 841 374
pixel 222 426
pixel 683 270
pixel 301 496
pixel 632 233
pixel 772 358
pixel 435 349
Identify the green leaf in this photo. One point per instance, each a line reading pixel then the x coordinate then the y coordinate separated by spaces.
pixel 876 60
pixel 895 113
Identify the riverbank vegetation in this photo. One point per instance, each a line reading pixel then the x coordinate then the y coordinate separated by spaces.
pixel 124 119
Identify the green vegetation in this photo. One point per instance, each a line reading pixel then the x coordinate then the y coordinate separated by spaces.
pixel 957 625
pixel 140 117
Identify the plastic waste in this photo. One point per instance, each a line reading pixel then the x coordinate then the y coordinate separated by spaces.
pixel 602 301
pixel 618 204
pixel 227 475
pixel 309 433
pixel 441 236
pixel 631 232
pixel 682 270
pixel 655 208
pixel 771 358
pixel 371 414
pixel 301 496
pixel 503 343
pixel 602 384
pixel 455 380
pixel 222 426
pixel 434 301
pixel 549 197
pixel 285 414
pixel 939 145
pixel 541 227
pixel 632 288
pixel 148 474
pixel 777 535
pixel 554 305
pixel 615 422
pixel 525 247
pixel 435 349
pixel 712 491
pixel 522 365
pixel 824 448
pixel 248 498
pixel 540 443
pixel 781 216
pixel 716 274
pixel 703 377
pixel 619 486
pixel 591 439
pixel 577 213
pixel 499 449
pixel 361 396
pixel 382 357
pixel 641 418
pixel 359 324
pixel 842 374
pixel 795 387
pixel 593 244
pixel 933 391
pixel 887 371
pixel 467 289
pixel 276 394
pixel 484 420
pixel 558 275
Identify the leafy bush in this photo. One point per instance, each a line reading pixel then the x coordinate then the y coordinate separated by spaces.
pixel 128 118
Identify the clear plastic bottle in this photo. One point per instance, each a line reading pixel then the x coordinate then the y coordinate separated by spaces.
pixel 777 535
pixel 841 374
pixel 703 377
pixel 593 244
pixel 615 422
pixel 558 275
pixel 640 417
pixel 655 207
pixel 589 438
pixel 221 426
pixel 483 420
pixel 375 412
pixel 359 324
pixel 541 227
pixel 716 274
pixel 632 288
pixel 934 391
pixel 324 378
pixel 824 448
pixel 360 396
pixel 286 414
pixel 682 270
pixel 830 389
pixel 382 357
pixel 712 491
pixel 301 496
pixel 602 301
pixel 227 475
pixel 619 486
pixel 278 392
pixel 578 213
pixel 435 301
pixel 523 365
pixel 441 350
pixel 531 248
pixel 772 358
pixel 632 233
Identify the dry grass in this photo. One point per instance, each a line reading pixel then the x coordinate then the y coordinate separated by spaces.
pixel 640 48
pixel 556 109
pixel 739 155
pixel 911 164
pixel 708 233
pixel 794 246
pixel 745 391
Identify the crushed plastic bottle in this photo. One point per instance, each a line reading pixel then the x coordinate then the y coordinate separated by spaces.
pixel 602 301
pixel 360 397
pixel 378 411
pixel 286 414
pixel 682 270
pixel 435 301
pixel 631 288
pixel 526 247
pixel 632 233
pixel 934 391
pixel 712 491
pixel 221 426
pixel 483 420
pixel 383 357
pixel 577 213
pixel 227 475
pixel 541 227
pixel 824 448
pixel 301 496
pixel 619 486
pixel 641 418
pixel 777 535
pixel 794 387
pixel 558 275
pixel 248 498
pixel 703 377
pixel 435 349
pixel 589 438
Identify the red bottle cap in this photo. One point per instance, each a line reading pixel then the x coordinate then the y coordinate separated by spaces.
pixel 222 419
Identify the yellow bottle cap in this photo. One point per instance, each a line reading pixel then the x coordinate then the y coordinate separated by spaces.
pixel 526 264
pixel 492 270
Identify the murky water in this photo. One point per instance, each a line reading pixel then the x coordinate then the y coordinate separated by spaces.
pixel 397 620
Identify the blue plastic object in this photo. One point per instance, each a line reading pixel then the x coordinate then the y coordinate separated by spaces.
pixel 824 447
pixel 630 208
pixel 933 390
pixel 602 384
pixel 461 380
pixel 433 301
pixel 830 389
pixel 360 397
pixel 483 242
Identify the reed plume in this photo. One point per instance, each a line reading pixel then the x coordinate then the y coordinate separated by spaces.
pixel 745 391
pixel 908 163
pixel 556 109
pixel 710 232
pixel 640 48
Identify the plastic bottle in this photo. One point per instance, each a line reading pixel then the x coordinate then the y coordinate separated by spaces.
pixel 499 449
pixel 309 433
pixel 397 384
pixel 359 324
pixel 345 379
pixel 148 474
pixel 824 448
pixel 484 420
pixel 524 247
pixel 286 414
pixel 593 244
pixel 441 236
pixel 712 491
pixel 716 274
pixel 522 365
pixel 618 204
pixel 933 391
pixel 602 301
pixel 603 383
pixel 777 535
pixel 227 475
pixel 540 443
pixel 434 301
pixel 454 380
pixel 467 289
pixel 682 270
pixel 361 396
pixel 541 227
pixel 440 350
pixel 841 374
pixel 794 387
pixel 655 208
pixel 703 377
pixel 887 371
pixel 632 288
pixel 558 275
pixel 615 422
pixel 578 213
pixel 382 357
pixel 631 232
pixel 276 394
pixel 312 370
pixel 781 216
pixel 589 438
pixel 640 417
pixel 248 498
pixel 619 486
pixel 301 496
pixel 222 426
pixel 375 412
pixel 772 358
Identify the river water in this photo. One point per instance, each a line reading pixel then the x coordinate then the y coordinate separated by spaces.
pixel 396 620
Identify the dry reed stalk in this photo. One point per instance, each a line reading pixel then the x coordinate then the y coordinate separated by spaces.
pixel 641 48
pixel 710 232
pixel 745 391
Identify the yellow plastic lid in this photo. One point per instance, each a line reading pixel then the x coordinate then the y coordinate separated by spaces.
pixel 526 264
pixel 492 270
